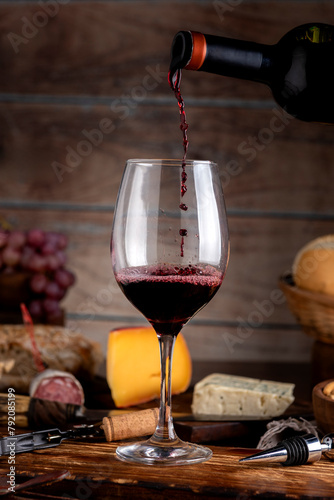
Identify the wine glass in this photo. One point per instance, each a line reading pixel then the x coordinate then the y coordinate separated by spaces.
pixel 169 251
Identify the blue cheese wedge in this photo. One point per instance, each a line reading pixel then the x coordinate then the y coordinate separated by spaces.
pixel 220 394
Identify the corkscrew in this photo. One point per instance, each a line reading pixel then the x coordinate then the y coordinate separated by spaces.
pixel 113 428
pixel 49 438
pixel 297 450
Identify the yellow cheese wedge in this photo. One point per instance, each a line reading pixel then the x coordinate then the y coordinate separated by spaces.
pixel 133 366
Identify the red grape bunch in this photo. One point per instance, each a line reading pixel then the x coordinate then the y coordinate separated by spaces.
pixel 42 255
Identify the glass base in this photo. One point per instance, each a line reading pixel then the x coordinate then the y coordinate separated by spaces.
pixel 175 453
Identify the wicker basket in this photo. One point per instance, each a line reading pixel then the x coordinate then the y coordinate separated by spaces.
pixel 314 311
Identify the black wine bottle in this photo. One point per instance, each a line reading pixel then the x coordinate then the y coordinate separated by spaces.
pixel 299 69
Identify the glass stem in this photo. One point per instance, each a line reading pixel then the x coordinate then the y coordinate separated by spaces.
pixel 165 429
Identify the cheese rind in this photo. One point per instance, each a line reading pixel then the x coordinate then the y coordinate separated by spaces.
pixel 220 394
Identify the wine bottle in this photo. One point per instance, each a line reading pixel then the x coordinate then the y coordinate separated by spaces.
pixel 299 69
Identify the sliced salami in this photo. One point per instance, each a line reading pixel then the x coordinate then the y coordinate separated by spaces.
pixel 55 385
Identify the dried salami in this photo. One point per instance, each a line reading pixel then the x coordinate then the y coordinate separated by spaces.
pixel 54 385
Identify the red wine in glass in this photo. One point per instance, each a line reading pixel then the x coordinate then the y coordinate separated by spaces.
pixel 168 297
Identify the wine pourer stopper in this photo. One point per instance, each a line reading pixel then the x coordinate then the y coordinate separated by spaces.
pixel 297 450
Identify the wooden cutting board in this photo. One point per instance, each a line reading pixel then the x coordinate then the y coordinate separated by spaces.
pixel 246 432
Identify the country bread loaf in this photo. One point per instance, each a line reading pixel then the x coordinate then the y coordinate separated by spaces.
pixel 313 266
pixel 60 349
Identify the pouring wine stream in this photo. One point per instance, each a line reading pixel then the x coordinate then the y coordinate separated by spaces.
pixel 174 79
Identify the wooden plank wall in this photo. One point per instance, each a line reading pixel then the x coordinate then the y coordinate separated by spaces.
pixel 70 68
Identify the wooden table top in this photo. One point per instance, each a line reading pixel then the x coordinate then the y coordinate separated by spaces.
pixel 94 472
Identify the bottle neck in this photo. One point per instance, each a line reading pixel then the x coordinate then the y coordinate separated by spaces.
pixel 222 56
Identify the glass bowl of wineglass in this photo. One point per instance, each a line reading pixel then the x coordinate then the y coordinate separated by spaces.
pixel 169 252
